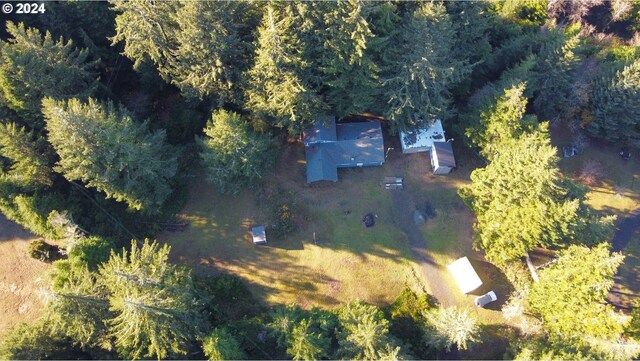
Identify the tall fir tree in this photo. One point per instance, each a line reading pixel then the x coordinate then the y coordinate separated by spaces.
pixel 210 57
pixel 522 181
pixel 552 74
pixel 153 301
pixel 417 86
pixel 220 344
pixel 101 145
pixel 347 64
pixel 501 119
pixel 364 333
pixel 305 344
pixel 148 29
pixel 234 155
pixel 451 326
pixel 278 89
pixel 33 67
pixel 77 304
pixel 615 105
pixel 29 156
pixel 570 297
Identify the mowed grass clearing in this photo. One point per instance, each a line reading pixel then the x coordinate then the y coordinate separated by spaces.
pixel 613 183
pixel 345 262
pixel 331 258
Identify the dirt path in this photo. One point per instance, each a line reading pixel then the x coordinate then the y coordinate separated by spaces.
pixel 625 230
pixel 403 209
pixel 19 277
pixel 620 295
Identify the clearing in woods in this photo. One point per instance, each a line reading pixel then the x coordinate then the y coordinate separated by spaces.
pixel 345 261
pixel 19 277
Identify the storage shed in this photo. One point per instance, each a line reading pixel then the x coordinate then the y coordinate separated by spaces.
pixel 465 275
pixel 421 140
pixel 442 159
pixel 259 235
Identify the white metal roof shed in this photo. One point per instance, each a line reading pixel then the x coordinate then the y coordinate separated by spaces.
pixel 465 275
pixel 421 140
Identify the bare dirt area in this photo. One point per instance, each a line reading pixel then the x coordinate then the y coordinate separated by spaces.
pixel 19 277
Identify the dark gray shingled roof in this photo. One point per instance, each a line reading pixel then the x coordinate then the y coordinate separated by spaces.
pixel 349 145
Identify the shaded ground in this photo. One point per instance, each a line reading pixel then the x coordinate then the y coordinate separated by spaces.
pixel 19 275
pixel 626 228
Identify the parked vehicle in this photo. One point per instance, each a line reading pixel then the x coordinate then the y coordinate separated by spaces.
pixel 485 299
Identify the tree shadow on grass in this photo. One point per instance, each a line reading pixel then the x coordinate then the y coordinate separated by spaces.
pixel 11 231
pixel 493 279
pixel 494 342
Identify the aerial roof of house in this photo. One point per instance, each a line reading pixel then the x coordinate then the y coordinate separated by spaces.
pixel 443 153
pixel 329 146
pixel 422 139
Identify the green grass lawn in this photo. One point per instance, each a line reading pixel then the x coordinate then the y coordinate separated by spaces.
pixel 331 258
pixel 615 185
pixel 344 263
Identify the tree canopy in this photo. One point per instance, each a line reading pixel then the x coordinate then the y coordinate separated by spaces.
pixel 100 144
pixel 33 67
pixel 235 156
pixel 153 302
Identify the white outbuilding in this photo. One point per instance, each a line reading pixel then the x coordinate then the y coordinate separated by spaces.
pixel 421 140
pixel 464 274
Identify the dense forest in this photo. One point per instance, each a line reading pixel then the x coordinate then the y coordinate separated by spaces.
pixel 108 109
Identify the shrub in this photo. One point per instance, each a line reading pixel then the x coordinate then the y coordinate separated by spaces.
pixel 406 316
pixel 43 251
pixel 92 251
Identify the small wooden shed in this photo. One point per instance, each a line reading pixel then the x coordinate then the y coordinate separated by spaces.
pixel 442 159
pixel 259 235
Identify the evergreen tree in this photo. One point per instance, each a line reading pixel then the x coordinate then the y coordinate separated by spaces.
pixel 234 155
pixel 209 55
pixel 76 303
pixel 278 89
pixel 449 326
pixel 148 29
pixel 195 45
pixel 347 63
pixel 417 88
pixel 28 154
pixel 156 313
pixel 570 297
pixel 364 334
pixel 35 342
pixel 283 320
pixel 101 145
pixel 32 67
pixel 551 77
pixel 304 344
pixel 501 120
pixel 615 105
pixel 522 181
pixel 221 345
